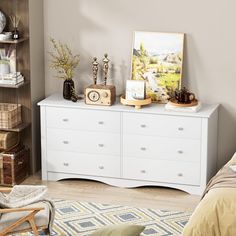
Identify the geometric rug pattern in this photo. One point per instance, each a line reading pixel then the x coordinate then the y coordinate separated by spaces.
pixel 82 218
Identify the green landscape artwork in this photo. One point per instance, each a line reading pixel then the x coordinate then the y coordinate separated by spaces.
pixel 158 59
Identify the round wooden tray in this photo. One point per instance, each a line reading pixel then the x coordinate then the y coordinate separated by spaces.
pixel 175 103
pixel 137 103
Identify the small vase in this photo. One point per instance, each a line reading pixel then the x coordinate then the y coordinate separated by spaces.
pixel 67 88
pixel 15 34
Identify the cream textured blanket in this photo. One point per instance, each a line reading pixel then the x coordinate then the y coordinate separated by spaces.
pixel 225 178
pixel 24 195
pixel 216 213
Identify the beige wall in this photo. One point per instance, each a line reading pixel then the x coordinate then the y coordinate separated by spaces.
pixel 92 27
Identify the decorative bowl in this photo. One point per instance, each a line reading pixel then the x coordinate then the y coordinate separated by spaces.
pixel 3 22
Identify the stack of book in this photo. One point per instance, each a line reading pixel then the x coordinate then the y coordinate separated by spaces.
pixel 12 79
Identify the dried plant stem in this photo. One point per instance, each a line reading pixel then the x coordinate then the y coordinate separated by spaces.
pixel 63 61
pixel 15 20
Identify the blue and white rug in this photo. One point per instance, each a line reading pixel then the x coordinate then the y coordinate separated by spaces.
pixel 82 218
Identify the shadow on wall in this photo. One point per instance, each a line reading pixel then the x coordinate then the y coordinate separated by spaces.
pixel 195 69
pixel 71 36
pixel 226 134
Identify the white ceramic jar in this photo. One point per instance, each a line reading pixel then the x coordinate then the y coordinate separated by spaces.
pixel 4 68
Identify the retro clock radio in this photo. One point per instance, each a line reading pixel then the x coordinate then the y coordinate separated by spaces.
pixel 100 94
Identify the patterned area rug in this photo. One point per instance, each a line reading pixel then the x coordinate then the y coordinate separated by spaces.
pixel 82 218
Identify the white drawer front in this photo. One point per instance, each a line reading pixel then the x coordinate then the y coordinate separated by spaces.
pixel 83 164
pixel 164 126
pixel 162 171
pixel 161 148
pixel 83 142
pixel 78 119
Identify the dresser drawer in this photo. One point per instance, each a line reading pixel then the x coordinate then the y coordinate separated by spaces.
pixel 162 125
pixel 153 147
pixel 83 164
pixel 83 142
pixel 161 171
pixel 78 119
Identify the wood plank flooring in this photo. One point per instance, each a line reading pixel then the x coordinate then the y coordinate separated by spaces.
pixel 91 191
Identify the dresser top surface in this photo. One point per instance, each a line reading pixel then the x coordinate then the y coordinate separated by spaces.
pixel 56 100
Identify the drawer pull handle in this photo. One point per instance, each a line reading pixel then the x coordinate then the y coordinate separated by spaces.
pixel 143 171
pixel 65 120
pixel 143 126
pixel 101 123
pixel 101 167
pixel 65 142
pixel 101 145
pixel 20 163
pixel 180 128
pixel 180 175
pixel 180 152
pixel 143 149
pixel 66 164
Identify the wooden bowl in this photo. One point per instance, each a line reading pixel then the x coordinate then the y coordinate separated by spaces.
pixel 175 103
pixel 136 103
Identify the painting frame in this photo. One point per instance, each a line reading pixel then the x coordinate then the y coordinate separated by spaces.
pixel 135 90
pixel 166 76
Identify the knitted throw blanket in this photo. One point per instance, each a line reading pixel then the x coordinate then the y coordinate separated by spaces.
pixel 24 195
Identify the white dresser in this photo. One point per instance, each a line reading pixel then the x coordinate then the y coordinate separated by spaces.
pixel 124 147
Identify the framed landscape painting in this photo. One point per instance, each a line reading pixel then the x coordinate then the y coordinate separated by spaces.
pixel 157 58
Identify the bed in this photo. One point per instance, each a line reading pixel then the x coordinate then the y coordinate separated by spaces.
pixel 216 213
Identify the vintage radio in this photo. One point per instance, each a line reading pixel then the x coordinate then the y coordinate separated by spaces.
pixel 100 94
pixel 14 166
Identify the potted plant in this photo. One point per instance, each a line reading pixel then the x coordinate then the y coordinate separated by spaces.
pixel 65 63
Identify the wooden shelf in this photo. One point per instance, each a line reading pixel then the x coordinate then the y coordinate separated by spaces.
pixel 10 41
pixel 18 128
pixel 14 86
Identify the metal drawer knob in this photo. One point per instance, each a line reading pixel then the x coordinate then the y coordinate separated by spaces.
pixel 180 175
pixel 101 145
pixel 143 171
pixel 101 167
pixel 143 126
pixel 65 120
pixel 101 122
pixel 143 148
pixel 180 152
pixel 180 128
pixel 66 164
pixel 66 142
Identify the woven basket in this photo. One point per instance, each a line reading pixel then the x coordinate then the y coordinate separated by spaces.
pixel 8 140
pixel 10 115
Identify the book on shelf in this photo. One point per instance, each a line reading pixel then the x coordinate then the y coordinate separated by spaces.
pixel 12 79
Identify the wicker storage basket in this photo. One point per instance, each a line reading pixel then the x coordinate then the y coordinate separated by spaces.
pixel 10 115
pixel 8 140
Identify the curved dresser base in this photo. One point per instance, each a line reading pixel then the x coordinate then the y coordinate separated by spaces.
pixel 125 183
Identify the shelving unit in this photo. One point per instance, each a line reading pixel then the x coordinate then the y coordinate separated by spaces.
pixel 29 62
pixel 18 128
pixel 15 41
pixel 15 86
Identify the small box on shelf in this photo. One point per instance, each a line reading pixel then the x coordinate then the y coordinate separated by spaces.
pixel 8 139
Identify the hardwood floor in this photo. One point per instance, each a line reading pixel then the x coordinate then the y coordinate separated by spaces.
pixel 91 191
